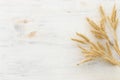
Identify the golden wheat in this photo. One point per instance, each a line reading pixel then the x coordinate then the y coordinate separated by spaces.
pixel 98 49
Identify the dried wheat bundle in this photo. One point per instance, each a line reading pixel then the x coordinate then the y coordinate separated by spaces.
pixel 98 49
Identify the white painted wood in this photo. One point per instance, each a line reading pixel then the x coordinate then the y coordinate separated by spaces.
pixel 50 55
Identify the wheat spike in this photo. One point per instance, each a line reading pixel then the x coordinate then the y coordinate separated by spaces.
pixel 80 41
pixel 93 24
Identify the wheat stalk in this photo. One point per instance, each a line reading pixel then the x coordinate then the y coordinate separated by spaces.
pixel 98 49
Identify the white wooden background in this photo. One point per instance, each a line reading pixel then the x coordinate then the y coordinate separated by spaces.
pixel 50 55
